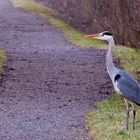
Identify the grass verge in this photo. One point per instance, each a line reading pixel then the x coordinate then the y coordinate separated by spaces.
pixel 2 60
pixel 108 121
pixel 130 60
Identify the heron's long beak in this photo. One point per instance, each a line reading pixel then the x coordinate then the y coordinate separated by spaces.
pixel 92 36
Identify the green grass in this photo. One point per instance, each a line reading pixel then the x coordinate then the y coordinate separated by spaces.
pixel 130 60
pixel 107 122
pixel 2 60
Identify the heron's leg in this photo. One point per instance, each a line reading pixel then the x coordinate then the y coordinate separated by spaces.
pixel 134 115
pixel 128 110
pixel 126 103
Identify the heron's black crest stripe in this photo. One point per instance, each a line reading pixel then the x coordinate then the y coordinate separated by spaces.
pixel 108 33
pixel 118 76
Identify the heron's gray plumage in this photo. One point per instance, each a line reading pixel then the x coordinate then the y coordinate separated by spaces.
pixel 126 84
pixel 128 87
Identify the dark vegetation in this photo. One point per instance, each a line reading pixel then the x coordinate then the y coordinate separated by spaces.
pixel 91 16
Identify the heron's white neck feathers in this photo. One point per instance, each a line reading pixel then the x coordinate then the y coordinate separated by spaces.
pixel 109 61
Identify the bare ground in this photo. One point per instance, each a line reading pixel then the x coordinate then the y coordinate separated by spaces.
pixel 48 85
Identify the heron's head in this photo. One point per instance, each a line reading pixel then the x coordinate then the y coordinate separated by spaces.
pixel 106 36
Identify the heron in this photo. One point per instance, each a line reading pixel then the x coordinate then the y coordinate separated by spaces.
pixel 123 83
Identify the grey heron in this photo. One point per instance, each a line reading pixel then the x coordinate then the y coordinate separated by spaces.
pixel 123 83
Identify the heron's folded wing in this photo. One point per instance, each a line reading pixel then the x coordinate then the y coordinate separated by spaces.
pixel 129 88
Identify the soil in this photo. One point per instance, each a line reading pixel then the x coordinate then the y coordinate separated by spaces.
pixel 49 85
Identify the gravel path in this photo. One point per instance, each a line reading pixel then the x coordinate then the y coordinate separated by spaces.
pixel 49 85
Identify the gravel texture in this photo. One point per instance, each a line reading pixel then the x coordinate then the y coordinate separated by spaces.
pixel 48 85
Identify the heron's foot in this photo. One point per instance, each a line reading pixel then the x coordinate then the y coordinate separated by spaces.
pixel 134 119
pixel 127 118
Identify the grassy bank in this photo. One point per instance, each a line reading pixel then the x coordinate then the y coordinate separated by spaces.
pixel 108 121
pixel 2 60
pixel 130 60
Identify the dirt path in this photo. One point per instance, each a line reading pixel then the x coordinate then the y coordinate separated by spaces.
pixel 49 85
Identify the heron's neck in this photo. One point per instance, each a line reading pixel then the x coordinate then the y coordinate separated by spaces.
pixel 109 61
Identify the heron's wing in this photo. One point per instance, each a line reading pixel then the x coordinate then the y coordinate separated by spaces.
pixel 129 88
